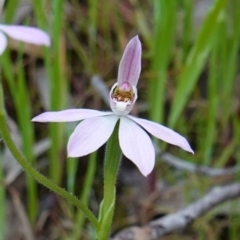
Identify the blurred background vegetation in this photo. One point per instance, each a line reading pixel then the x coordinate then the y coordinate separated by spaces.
pixel 189 81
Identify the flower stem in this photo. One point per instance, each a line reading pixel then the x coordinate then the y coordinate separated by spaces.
pixel 111 165
pixel 34 173
pixel 87 186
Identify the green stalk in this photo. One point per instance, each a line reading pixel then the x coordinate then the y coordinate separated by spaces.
pixel 92 25
pixel 33 172
pixel 2 202
pixel 27 132
pixel 165 16
pixel 55 62
pixel 212 105
pixel 80 218
pixel 187 27
pixel 111 165
pixel 18 89
pixel 58 87
pixel 196 60
pixel 72 164
pixel 17 86
pixel 10 11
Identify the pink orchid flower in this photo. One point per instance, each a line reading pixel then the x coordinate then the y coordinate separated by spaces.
pixel 97 126
pixel 22 33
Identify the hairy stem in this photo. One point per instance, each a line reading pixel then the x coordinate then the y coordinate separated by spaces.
pixel 34 173
pixel 111 165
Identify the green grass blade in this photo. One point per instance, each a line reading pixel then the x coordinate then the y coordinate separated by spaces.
pixel 26 128
pixel 19 93
pixel 196 59
pixel 213 100
pixel 187 27
pixel 165 23
pixel 55 61
pixel 58 89
pixel 88 182
pixel 2 201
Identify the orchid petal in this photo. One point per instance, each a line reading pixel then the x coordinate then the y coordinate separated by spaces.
pixel 163 133
pixel 136 145
pixel 69 115
pixel 130 65
pixel 3 43
pixel 26 34
pixel 91 134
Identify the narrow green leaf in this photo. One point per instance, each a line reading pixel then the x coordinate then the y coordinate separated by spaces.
pixel 196 59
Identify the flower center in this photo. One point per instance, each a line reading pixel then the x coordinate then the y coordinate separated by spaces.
pixel 123 93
